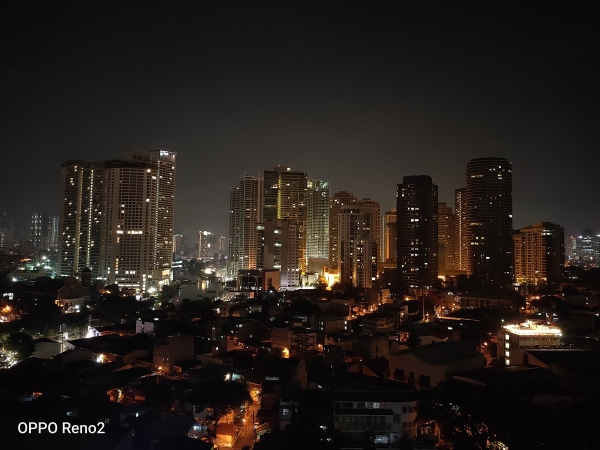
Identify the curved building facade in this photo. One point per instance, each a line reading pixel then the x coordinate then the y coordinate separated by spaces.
pixel 489 220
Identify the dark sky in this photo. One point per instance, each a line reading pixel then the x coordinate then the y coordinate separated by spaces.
pixel 354 93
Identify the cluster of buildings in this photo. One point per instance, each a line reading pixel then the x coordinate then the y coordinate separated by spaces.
pixel 286 222
pixel 116 219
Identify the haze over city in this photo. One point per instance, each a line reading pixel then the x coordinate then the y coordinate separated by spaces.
pixel 356 95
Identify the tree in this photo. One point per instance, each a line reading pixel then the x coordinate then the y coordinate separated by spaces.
pixel 21 344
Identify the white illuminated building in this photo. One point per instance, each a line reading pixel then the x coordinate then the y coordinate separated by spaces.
pixel 526 335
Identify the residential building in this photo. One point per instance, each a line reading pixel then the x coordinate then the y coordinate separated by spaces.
pixel 417 241
pixel 317 219
pixel 339 201
pixel 387 409
pixel 174 349
pixel 280 249
pixel 389 236
pixel 428 365
pixel 461 232
pixel 527 335
pixel 539 254
pixel 446 239
pixel 244 216
pixel 489 218
pixel 80 218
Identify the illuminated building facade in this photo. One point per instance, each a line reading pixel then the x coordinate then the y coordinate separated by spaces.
pixel 357 245
pixel 525 336
pixel 539 254
pixel 446 238
pixel 388 236
pixel 340 200
pixel 137 220
pixel 317 219
pixel 117 219
pixel 279 249
pixel 244 217
pixel 417 242
pixel 40 231
pixel 284 197
pixel 80 218
pixel 461 232
pixel 206 244
pixel 489 219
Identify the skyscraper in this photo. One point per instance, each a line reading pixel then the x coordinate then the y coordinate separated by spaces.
pixel 317 219
pixel 284 197
pixel 357 243
pixel 539 254
pixel 279 250
pixel 461 232
pixel 446 238
pixel 489 218
pixel 389 235
pixel 417 203
pixel 244 216
pixel 340 200
pixel 80 218
pixel 117 219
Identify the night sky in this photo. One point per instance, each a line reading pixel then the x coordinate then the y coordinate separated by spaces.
pixel 356 94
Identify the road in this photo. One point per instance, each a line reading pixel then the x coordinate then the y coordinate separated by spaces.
pixel 247 436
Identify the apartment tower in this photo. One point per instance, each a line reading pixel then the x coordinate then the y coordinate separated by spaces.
pixel 417 242
pixel 489 219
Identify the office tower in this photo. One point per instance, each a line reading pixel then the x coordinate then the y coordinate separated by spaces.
pixel 417 232
pixel 489 218
pixel 389 234
pixel 317 219
pixel 137 220
pixel 446 236
pixel 244 216
pixel 340 200
pixel 80 218
pixel 280 250
pixel 584 249
pixel 461 232
pixel 539 254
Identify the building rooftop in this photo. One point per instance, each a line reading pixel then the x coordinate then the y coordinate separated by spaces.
pixel 441 352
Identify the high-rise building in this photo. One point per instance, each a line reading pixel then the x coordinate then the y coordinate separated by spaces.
pixel 417 203
pixel 80 218
pixel 584 252
pixel 389 234
pixel 340 200
pixel 222 244
pixel 280 250
pixel 164 188
pixel 446 236
pixel 489 218
pixel 117 219
pixel 284 197
pixel 40 230
pixel 206 244
pixel 461 232
pixel 244 217
pixel 137 220
pixel 539 254
pixel 357 243
pixel 317 219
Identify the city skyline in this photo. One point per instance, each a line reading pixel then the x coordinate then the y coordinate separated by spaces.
pixel 356 97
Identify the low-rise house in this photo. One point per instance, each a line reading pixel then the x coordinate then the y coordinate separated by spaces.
pixel 428 365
